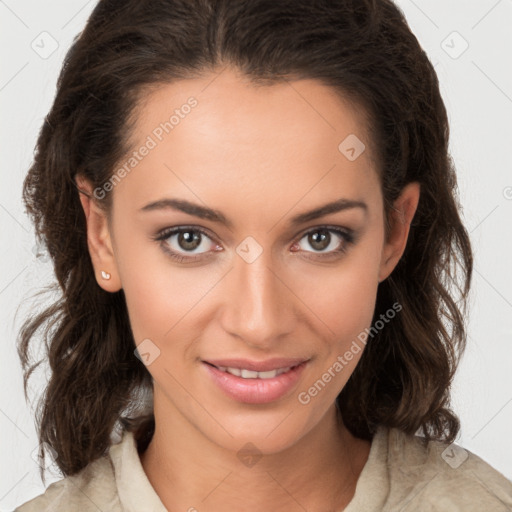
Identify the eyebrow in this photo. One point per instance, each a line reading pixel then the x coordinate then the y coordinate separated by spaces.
pixel 216 216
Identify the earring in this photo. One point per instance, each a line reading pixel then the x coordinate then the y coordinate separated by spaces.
pixel 105 275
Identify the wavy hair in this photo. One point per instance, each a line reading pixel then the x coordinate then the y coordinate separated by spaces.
pixel 365 51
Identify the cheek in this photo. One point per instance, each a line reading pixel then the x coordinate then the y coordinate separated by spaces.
pixel 347 302
pixel 166 304
pixel 156 295
pixel 348 314
pixel 343 297
pixel 162 305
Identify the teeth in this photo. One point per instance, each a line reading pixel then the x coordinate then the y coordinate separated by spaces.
pixel 267 375
pixel 250 374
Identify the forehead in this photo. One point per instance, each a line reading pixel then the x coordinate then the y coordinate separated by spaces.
pixel 229 107
pixel 221 133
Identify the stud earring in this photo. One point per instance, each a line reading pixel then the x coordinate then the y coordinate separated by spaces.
pixel 105 275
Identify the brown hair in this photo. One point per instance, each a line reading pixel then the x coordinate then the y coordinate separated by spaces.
pixel 363 49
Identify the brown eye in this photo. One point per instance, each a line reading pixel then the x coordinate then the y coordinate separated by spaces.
pixel 326 241
pixel 188 240
pixel 319 239
pixel 182 244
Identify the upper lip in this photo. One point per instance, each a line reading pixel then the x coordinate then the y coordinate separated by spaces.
pixel 257 366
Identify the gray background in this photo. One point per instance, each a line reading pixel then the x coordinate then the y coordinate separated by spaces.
pixel 477 87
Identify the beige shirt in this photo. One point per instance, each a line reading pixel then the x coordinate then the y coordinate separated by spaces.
pixel 399 476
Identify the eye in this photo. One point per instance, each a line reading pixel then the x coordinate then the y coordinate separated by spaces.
pixel 186 243
pixel 323 242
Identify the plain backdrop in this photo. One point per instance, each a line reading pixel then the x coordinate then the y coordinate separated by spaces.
pixel 470 44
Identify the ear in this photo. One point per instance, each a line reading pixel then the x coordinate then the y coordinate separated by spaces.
pixel 99 240
pixel 400 220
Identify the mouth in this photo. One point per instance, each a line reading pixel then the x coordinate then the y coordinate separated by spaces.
pixel 255 382
pixel 244 373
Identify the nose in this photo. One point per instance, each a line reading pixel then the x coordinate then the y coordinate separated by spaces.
pixel 259 305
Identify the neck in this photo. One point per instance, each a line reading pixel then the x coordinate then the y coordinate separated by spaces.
pixel 190 472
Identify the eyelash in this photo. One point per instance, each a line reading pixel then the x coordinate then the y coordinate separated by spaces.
pixel 347 235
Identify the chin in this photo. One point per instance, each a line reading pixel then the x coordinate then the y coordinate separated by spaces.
pixel 268 429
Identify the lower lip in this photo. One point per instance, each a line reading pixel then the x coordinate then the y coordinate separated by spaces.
pixel 256 391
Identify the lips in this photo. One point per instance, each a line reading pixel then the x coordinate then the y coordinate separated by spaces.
pixel 255 381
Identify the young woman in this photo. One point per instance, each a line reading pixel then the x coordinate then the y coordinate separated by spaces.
pixel 253 219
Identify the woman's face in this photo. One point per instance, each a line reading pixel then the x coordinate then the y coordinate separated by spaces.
pixel 256 281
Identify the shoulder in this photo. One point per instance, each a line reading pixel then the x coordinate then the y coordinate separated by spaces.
pixel 92 489
pixel 441 476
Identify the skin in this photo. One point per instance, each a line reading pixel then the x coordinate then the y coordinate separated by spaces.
pixel 260 156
